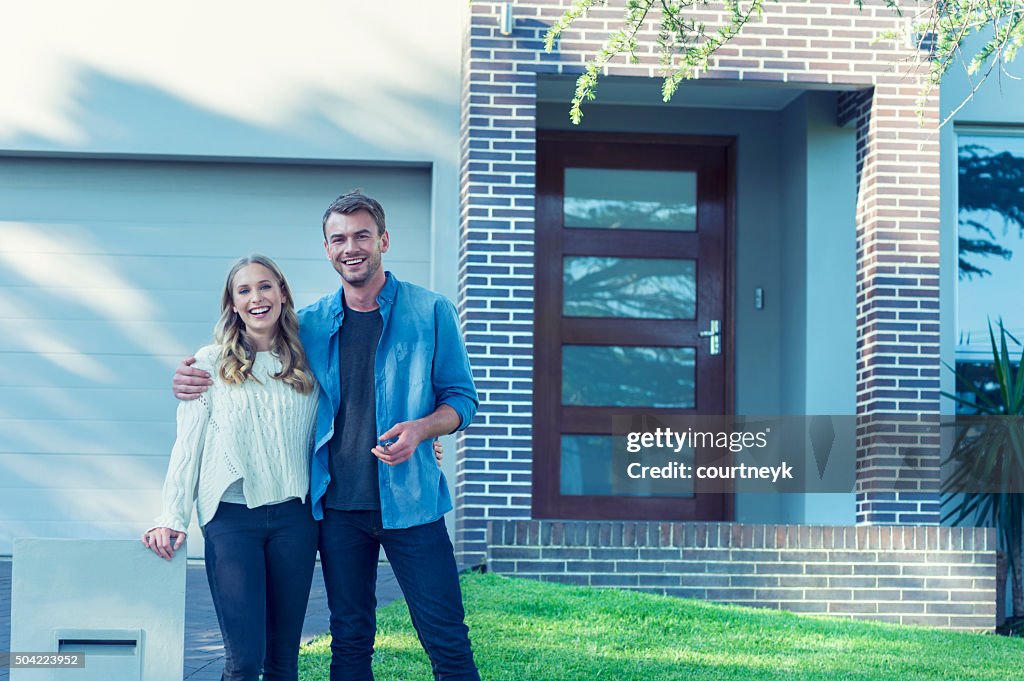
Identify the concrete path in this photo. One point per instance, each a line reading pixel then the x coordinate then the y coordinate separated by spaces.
pixel 204 650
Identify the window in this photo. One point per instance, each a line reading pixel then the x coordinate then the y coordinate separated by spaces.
pixel 990 270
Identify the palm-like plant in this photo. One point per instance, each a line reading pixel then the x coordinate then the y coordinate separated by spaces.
pixel 987 460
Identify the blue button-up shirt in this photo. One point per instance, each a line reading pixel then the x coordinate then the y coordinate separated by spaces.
pixel 421 363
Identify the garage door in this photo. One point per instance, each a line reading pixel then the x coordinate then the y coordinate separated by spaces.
pixel 110 273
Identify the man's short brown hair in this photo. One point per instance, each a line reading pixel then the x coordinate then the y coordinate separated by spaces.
pixel 349 203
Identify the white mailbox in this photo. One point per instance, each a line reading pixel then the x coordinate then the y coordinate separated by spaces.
pixel 115 603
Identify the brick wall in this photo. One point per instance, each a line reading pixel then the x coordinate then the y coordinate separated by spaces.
pixel 934 576
pixel 819 42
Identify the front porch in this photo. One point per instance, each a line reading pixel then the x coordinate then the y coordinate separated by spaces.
pixel 828 301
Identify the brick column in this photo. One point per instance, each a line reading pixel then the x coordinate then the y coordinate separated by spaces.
pixel 898 361
pixel 496 275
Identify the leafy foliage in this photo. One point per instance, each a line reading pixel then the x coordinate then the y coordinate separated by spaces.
pixel 987 459
pixel 999 24
pixel 989 183
pixel 686 44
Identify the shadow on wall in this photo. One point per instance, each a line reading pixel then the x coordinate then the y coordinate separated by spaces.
pixel 112 115
pixel 100 302
pixel 80 428
pixel 320 80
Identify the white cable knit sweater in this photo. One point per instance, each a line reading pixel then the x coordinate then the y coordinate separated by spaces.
pixel 259 432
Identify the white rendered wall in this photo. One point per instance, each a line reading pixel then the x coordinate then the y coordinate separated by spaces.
pixel 831 301
pixel 92 591
pixel 313 79
pixel 221 115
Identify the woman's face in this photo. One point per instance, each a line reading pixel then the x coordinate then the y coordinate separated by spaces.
pixel 257 298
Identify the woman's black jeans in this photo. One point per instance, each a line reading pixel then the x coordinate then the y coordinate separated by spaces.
pixel 260 565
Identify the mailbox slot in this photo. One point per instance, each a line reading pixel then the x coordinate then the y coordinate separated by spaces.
pixel 97 646
pixel 109 653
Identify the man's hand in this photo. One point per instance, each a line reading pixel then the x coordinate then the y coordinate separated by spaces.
pixel 401 441
pixel 158 540
pixel 438 451
pixel 190 383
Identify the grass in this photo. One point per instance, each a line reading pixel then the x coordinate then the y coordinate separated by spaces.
pixel 522 629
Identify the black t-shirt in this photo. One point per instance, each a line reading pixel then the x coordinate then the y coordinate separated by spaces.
pixel 353 466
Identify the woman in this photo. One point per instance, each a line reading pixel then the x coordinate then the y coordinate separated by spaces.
pixel 242 457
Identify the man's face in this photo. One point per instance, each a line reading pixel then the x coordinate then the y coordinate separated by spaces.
pixel 354 248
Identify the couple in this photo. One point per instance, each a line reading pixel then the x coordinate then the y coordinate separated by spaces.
pixel 381 370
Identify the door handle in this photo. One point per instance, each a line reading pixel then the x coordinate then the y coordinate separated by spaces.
pixel 714 334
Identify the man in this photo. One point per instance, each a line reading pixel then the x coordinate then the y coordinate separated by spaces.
pixel 394 374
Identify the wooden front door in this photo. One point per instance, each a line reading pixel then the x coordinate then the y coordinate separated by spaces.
pixel 632 313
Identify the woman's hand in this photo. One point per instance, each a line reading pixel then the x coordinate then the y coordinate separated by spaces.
pixel 158 540
pixel 438 451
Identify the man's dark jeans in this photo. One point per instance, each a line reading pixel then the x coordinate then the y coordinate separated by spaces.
pixel 424 565
pixel 259 562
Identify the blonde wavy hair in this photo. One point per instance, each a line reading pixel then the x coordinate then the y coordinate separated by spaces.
pixel 237 354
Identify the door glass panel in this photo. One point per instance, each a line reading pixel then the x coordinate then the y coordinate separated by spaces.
pixel 615 376
pixel 641 288
pixel 607 198
pixel 600 465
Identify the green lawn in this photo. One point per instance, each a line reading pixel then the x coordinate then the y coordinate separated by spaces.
pixel 522 629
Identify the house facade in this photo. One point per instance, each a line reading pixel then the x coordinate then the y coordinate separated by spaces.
pixel 814 246
pixel 780 239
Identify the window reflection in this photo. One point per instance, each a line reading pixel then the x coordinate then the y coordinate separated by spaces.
pixel 630 199
pixel 614 376
pixel 990 194
pixel 642 288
